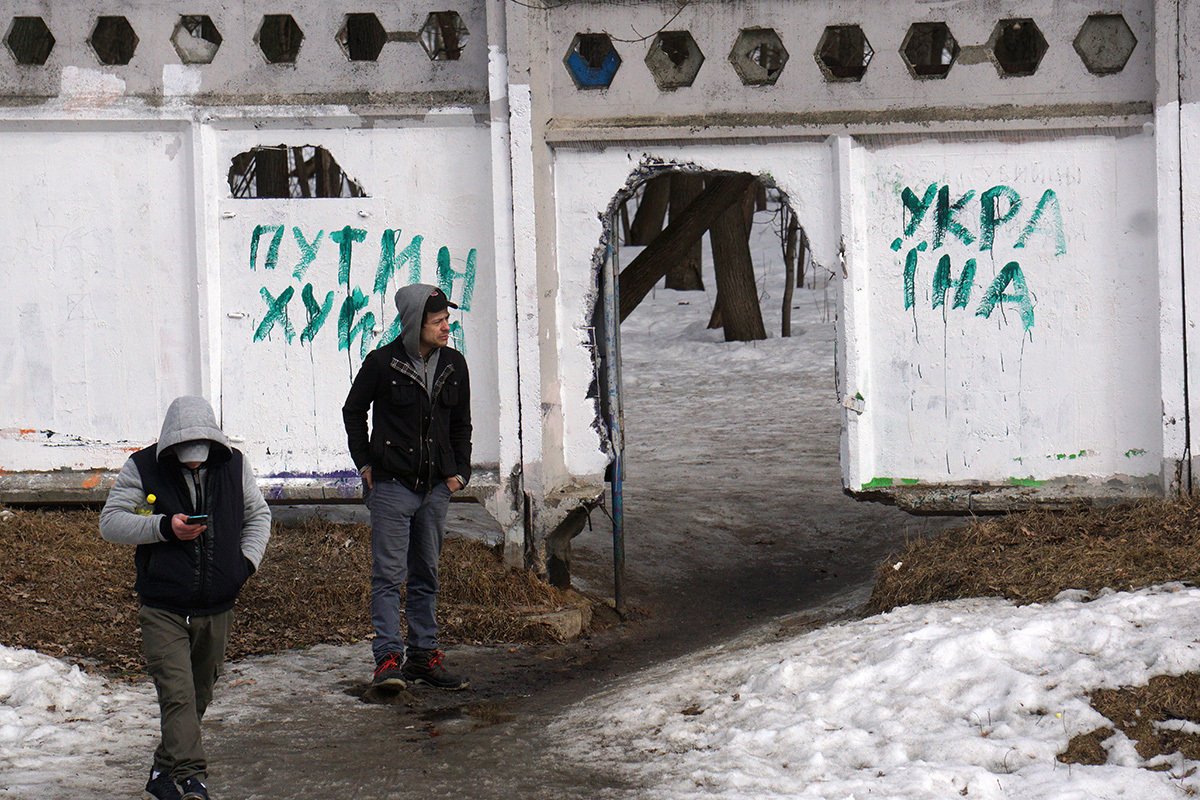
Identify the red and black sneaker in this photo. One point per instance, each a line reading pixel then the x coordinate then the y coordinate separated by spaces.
pixel 389 673
pixel 425 666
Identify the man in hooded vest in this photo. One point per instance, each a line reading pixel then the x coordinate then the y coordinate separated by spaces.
pixel 417 454
pixel 192 507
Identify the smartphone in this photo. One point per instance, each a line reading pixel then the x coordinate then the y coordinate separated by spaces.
pixel 198 519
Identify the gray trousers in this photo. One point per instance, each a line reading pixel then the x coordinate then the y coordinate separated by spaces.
pixel 407 529
pixel 184 657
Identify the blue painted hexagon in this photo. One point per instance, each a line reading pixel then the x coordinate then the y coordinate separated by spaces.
pixel 592 61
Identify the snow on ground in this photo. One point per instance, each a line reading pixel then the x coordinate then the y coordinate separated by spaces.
pixel 970 698
pixel 57 723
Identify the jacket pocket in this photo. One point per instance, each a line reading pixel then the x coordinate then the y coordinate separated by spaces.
pixel 169 573
pixel 230 569
pixel 399 458
pixel 402 393
pixel 449 394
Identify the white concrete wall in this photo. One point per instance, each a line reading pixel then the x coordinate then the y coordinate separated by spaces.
pixel 283 382
pixel 118 184
pixel 129 277
pixel 998 385
pixel 1182 105
pixel 99 330
pixel 1046 365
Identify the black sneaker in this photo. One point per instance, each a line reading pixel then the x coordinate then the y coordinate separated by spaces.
pixel 194 789
pixel 425 666
pixel 388 672
pixel 161 787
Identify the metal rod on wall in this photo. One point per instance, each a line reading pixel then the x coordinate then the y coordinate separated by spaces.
pixel 612 348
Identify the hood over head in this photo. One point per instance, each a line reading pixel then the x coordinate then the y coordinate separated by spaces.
pixel 413 302
pixel 190 421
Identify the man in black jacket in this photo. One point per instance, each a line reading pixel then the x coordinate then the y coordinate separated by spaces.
pixel 417 455
pixel 193 508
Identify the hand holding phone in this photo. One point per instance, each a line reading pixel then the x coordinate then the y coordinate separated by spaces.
pixel 186 528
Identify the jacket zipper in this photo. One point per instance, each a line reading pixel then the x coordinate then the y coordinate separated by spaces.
pixel 406 368
pixel 201 540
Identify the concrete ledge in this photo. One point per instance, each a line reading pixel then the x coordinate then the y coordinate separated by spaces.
pixel 91 486
pixel 1018 494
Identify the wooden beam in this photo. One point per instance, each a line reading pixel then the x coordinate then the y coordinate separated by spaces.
pixel 645 271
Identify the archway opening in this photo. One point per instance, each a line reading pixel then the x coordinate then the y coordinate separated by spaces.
pixel 716 387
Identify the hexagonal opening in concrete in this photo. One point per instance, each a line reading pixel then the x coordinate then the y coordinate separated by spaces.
pixel 758 56
pixel 29 41
pixel 196 39
pixel 113 40
pixel 674 59
pixel 1105 43
pixel 362 37
pixel 444 35
pixel 1018 46
pixel 844 53
pixel 929 50
pixel 592 61
pixel 279 38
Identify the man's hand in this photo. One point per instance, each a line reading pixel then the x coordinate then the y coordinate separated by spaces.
pixel 367 479
pixel 184 531
pixel 454 483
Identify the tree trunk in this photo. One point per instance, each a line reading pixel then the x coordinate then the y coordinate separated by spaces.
pixel 750 205
pixel 715 320
pixel 686 274
pixel 789 281
pixel 645 271
pixel 648 221
pixel 805 256
pixel 271 172
pixel 737 292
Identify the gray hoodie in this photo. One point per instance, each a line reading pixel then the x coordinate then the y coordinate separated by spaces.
pixel 410 302
pixel 188 419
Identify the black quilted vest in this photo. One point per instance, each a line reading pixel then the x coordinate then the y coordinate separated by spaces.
pixel 202 576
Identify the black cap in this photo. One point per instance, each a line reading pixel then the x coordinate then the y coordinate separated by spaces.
pixel 438 302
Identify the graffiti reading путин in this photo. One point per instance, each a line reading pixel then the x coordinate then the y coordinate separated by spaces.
pixel 354 320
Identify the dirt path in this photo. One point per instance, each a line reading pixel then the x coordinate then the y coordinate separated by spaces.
pixel 733 522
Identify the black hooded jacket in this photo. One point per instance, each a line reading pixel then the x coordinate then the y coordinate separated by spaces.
pixel 418 437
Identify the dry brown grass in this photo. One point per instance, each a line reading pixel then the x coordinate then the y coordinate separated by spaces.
pixel 1032 556
pixel 1138 712
pixel 69 593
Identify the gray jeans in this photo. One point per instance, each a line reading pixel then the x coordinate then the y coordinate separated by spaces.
pixel 184 657
pixel 407 529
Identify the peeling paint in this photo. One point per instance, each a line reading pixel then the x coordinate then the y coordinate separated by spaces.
pixel 1071 456
pixel 1025 482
